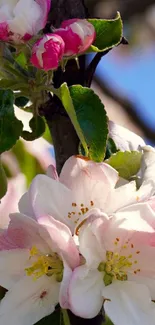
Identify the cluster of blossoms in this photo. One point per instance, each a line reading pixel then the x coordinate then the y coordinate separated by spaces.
pixel 20 20
pixel 85 240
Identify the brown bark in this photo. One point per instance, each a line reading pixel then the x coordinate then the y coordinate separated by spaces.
pixel 63 134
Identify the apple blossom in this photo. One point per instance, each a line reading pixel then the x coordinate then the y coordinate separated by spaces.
pixel 20 20
pixel 78 35
pixel 119 268
pixel 36 263
pixel 47 52
pixel 83 185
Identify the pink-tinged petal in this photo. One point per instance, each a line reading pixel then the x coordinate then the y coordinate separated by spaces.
pixel 78 168
pixel 25 206
pixel 45 8
pixel 89 238
pixel 12 265
pixel 90 182
pixel 49 197
pixel 128 303
pixel 60 240
pixel 121 197
pixel 78 35
pixel 52 172
pixel 28 301
pixel 132 225
pixel 151 203
pixel 47 52
pixel 139 216
pixel 85 292
pixel 24 232
pixel 124 139
pixel 64 288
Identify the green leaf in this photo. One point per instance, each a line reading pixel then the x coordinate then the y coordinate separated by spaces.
pixel 21 60
pixel 10 126
pixel 111 148
pixel 92 119
pixel 10 84
pixel 69 106
pixel 127 163
pixel 107 321
pixel 21 101
pixel 37 126
pixel 108 33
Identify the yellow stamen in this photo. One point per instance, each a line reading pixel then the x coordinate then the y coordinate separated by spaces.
pixel 44 265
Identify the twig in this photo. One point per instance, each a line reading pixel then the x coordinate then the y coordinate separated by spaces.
pixel 94 63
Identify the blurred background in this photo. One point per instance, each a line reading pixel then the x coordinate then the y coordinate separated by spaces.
pixel 124 80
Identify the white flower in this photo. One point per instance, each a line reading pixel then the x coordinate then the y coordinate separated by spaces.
pixel 36 263
pixel 82 185
pixel 119 272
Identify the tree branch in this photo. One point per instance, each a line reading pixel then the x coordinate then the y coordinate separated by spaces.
pixel 63 134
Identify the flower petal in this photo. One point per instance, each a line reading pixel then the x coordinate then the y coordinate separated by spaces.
pixel 52 172
pixel 49 197
pixel 90 182
pixel 89 238
pixel 85 292
pixel 60 240
pixel 129 304
pixel 12 265
pixel 64 288
pixel 121 197
pixel 24 232
pixel 28 301
pixel 124 139
pixel 77 171
pixel 45 7
pixel 25 205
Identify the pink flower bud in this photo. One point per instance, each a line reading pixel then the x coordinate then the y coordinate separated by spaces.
pixel 78 35
pixel 47 52
pixel 20 19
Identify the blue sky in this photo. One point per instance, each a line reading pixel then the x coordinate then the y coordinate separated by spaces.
pixel 134 76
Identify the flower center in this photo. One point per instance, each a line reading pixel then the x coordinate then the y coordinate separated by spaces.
pixel 78 211
pixel 45 265
pixel 117 265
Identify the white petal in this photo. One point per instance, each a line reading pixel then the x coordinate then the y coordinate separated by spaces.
pixel 148 282
pixel 49 197
pixel 25 205
pixel 121 197
pixel 29 301
pixel 59 237
pixel 90 245
pixel 129 304
pixel 89 181
pixel 124 139
pixel 64 288
pixel 85 292
pixel 12 266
